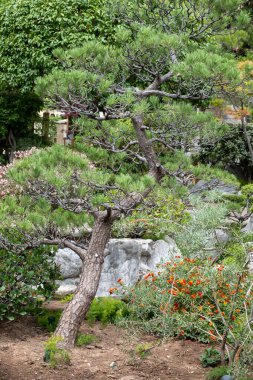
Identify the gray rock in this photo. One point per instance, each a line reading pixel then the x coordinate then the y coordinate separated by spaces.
pixel 128 259
pixel 69 263
pixel 250 263
pixel 68 281
pixel 221 236
pixel 214 184
pixel 64 290
pixel 249 226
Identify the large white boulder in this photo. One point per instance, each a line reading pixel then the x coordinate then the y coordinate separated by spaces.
pixel 128 259
pixel 69 263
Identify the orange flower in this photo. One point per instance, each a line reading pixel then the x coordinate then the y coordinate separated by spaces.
pixel 212 336
pixel 173 292
pixel 119 280
pixel 193 296
pixel 190 283
pixel 112 290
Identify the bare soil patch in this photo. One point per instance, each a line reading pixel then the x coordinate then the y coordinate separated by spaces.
pixel 111 357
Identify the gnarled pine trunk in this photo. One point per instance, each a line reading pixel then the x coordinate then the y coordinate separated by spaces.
pixel 155 168
pixel 76 310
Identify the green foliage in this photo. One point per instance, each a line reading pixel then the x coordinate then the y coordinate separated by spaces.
pixel 235 253
pixel 106 310
pixel 199 24
pixel 25 284
pixel 30 32
pixel 48 319
pixel 55 355
pixel 230 149
pixel 54 167
pixel 143 350
pixel 217 373
pixel 210 357
pixel 247 191
pixel 85 339
pixel 164 214
pixel 194 237
pixel 26 48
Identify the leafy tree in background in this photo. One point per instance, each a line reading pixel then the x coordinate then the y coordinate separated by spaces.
pixel 31 30
pixel 29 33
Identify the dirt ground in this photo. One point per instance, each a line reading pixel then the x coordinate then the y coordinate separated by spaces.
pixel 112 357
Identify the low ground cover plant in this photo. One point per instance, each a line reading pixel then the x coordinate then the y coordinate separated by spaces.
pixel 85 339
pixel 102 309
pixel 106 310
pixel 54 355
pixel 210 357
pixel 48 319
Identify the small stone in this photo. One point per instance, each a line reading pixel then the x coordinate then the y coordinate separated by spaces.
pixel 113 365
pixel 227 377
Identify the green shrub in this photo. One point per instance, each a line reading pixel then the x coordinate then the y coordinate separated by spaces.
pixel 234 253
pixel 48 319
pixel 193 237
pixel 217 373
pixel 210 357
pixel 85 339
pixel 161 218
pixel 181 300
pixel 26 279
pixel 55 355
pixel 106 310
pixel 247 191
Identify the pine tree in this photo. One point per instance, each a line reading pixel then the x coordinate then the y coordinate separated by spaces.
pixel 128 95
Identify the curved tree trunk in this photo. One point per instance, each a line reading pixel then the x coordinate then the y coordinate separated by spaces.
pixel 75 311
pixel 155 168
pixel 93 259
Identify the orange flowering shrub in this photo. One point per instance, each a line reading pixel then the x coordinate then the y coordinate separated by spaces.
pixel 191 298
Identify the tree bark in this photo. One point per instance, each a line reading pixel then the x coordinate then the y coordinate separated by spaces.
pixel 93 260
pixel 76 310
pixel 155 168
